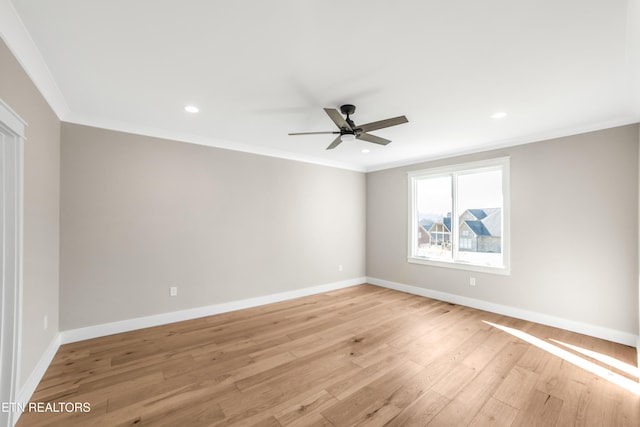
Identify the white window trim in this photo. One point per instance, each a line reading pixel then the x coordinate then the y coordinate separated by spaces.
pixel 473 167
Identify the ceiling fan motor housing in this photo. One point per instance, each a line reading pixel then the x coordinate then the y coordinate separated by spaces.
pixel 347 109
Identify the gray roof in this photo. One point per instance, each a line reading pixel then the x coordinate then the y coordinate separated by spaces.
pixel 488 221
pixel 478 213
pixel 478 228
pixel 493 222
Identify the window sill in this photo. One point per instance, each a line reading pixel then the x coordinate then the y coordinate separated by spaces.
pixel 459 265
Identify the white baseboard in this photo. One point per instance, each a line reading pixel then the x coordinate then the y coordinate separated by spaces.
pixel 96 331
pixel 25 393
pixel 532 316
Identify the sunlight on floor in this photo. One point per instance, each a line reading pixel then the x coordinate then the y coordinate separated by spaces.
pixel 624 382
pixel 611 361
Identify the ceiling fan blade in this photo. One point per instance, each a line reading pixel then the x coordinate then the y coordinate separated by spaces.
pixel 314 133
pixel 372 138
pixel 335 143
pixel 382 124
pixel 337 118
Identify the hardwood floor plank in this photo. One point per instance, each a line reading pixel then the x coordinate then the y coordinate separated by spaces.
pixel 516 387
pixel 286 391
pixel 421 411
pixel 363 355
pixel 467 403
pixel 371 404
pixel 542 410
pixel 495 413
pixel 313 420
pixel 359 378
pixel 307 409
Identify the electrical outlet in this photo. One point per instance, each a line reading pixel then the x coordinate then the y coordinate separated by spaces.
pixel 472 281
pixel 173 291
pixel 340 267
pixel 45 322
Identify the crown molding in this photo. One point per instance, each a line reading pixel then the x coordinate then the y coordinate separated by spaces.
pixel 14 33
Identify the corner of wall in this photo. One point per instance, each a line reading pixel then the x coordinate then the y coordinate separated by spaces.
pixel 30 384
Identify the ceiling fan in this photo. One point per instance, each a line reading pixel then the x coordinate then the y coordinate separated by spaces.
pixel 348 129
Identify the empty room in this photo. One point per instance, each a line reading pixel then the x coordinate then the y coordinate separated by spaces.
pixel 320 213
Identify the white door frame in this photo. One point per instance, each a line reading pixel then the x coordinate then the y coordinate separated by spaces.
pixel 11 199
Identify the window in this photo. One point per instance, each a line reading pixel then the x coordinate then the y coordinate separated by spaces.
pixel 465 210
pixel 465 243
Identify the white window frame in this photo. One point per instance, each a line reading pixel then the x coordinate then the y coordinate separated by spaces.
pixel 501 163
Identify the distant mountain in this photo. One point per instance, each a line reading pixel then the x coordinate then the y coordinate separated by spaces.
pixel 428 219
pixel 433 217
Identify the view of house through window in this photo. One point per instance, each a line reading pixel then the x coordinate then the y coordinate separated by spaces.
pixel 458 214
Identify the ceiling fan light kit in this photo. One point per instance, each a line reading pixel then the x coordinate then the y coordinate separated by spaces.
pixel 348 131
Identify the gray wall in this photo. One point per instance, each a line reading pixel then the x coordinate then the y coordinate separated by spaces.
pixel 574 222
pixel 140 214
pixel 41 210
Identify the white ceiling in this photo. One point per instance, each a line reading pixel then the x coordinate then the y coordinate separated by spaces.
pixel 260 69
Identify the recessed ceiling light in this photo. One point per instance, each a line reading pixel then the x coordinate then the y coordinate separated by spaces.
pixel 191 109
pixel 499 115
pixel 365 150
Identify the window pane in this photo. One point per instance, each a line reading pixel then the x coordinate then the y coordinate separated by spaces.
pixel 480 218
pixel 461 216
pixel 434 206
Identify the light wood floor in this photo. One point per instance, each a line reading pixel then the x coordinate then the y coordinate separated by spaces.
pixel 361 355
